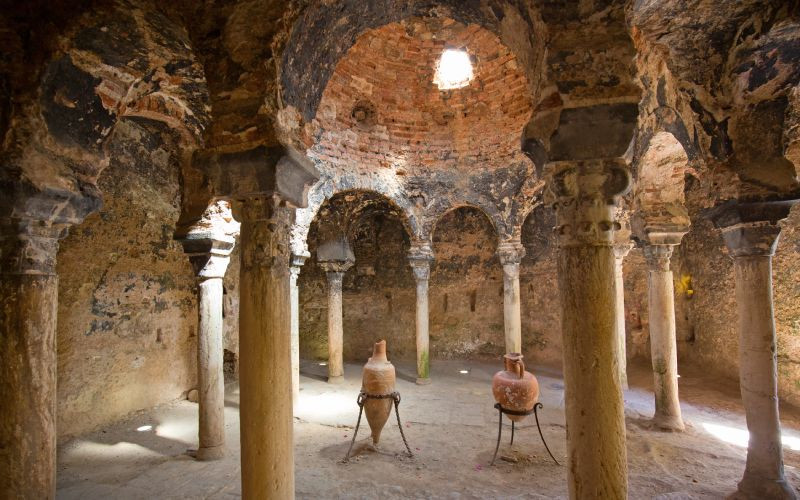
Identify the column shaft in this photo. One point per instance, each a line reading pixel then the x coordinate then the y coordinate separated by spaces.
pixel 265 363
pixel 593 396
pixel 511 308
pixel 422 274
pixel 28 313
pixel 763 475
pixel 294 314
pixel 663 343
pixel 335 328
pixel 621 343
pixel 210 376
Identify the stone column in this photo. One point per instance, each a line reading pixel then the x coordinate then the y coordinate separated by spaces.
pixel 621 251
pixel 28 312
pixel 335 270
pixel 420 259
pixel 751 232
pixel 297 262
pixel 265 367
pixel 511 254
pixel 209 254
pixel 661 313
pixel 586 193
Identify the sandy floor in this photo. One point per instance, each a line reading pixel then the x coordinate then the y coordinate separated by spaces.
pixel 452 428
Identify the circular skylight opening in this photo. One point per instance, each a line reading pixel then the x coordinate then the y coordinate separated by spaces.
pixel 454 70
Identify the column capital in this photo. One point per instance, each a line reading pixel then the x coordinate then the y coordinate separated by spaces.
pixel 421 267
pixel 29 246
pixel 510 252
pixel 622 249
pixel 298 259
pixel 265 222
pixel 420 251
pixel 658 257
pixel 586 193
pixel 751 229
pixel 335 269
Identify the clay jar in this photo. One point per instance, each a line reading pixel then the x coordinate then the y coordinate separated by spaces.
pixel 514 388
pixel 378 379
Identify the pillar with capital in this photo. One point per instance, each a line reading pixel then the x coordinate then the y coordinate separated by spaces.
pixel 209 246
pixel 296 262
pixel 660 242
pixel 335 257
pixel 751 233
pixel 586 193
pixel 265 194
pixel 29 302
pixel 420 258
pixel 621 250
pixel 31 225
pixel 511 254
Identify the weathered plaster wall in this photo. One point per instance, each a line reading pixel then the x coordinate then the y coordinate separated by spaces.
pixel 127 307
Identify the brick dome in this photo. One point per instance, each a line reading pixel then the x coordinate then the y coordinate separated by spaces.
pixel 382 108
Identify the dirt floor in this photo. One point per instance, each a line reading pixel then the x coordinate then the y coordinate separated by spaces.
pixel 451 426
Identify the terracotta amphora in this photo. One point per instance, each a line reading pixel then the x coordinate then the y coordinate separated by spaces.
pixel 378 379
pixel 514 388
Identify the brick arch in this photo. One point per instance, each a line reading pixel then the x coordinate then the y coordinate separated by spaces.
pixel 659 189
pixel 492 220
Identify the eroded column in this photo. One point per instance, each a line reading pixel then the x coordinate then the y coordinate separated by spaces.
pixel 585 196
pixel 620 252
pixel 297 262
pixel 661 314
pixel 420 259
pixel 210 258
pixel 28 312
pixel 335 270
pixel 510 254
pixel 751 234
pixel 264 344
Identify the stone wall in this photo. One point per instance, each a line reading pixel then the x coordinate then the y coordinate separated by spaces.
pixel 127 308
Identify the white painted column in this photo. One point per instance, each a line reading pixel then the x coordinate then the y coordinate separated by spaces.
pixel 297 262
pixel 510 254
pixel 420 258
pixel 751 233
pixel 586 193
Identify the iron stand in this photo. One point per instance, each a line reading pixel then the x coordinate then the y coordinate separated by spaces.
pixel 501 410
pixel 362 397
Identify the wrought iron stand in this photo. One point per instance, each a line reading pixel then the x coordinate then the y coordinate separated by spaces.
pixel 362 397
pixel 502 410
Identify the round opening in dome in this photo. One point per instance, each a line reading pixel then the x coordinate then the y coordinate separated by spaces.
pixel 454 70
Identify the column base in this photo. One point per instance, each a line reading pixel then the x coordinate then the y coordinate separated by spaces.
pixel 338 379
pixel 754 488
pixel 668 424
pixel 423 381
pixel 212 453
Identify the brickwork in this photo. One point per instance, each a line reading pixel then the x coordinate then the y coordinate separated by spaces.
pixel 382 109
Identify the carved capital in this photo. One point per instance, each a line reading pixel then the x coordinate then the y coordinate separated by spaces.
pixel 298 259
pixel 264 232
pixel 658 256
pixel 333 267
pixel 622 249
pixel 586 194
pixel 751 229
pixel 335 279
pixel 29 246
pixel 510 252
pixel 421 267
